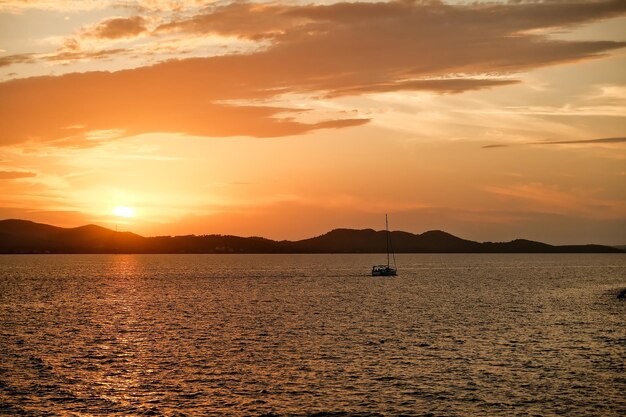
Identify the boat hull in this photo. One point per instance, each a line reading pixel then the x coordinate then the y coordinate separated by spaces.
pixel 384 272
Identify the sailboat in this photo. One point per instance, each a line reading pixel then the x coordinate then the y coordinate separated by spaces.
pixel 386 270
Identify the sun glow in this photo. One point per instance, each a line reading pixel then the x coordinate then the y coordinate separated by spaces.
pixel 124 211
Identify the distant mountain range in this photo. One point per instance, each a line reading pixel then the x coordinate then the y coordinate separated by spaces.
pixel 22 236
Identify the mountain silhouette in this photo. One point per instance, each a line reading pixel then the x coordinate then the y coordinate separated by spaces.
pixel 23 236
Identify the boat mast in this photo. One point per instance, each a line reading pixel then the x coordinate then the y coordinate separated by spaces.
pixel 387 231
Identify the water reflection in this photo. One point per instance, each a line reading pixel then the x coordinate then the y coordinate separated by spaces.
pixel 242 335
pixel 114 353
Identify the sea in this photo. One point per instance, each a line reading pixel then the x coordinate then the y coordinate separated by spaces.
pixel 312 335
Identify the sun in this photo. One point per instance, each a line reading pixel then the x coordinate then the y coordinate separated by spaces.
pixel 124 211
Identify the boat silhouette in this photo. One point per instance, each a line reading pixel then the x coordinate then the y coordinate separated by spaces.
pixel 386 270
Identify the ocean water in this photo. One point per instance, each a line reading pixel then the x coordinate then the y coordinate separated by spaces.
pixel 296 335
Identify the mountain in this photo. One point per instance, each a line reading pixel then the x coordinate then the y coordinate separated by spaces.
pixel 371 241
pixel 22 236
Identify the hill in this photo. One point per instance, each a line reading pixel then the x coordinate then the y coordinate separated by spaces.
pixel 22 236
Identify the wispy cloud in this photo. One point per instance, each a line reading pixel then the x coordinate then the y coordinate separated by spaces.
pixel 118 27
pixel 599 141
pixel 17 59
pixel 12 175
pixel 582 142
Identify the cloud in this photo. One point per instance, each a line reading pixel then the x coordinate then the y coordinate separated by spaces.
pixel 16 59
pixel 246 20
pixel 118 27
pixel 600 141
pixel 498 145
pixel 396 44
pixel 164 98
pixel 65 55
pixel 587 141
pixel 334 50
pixel 445 85
pixel 12 175
pixel 95 42
pixel 281 20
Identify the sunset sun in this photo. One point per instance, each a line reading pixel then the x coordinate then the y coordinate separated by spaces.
pixel 124 211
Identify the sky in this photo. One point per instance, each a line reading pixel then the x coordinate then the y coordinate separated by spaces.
pixel 491 120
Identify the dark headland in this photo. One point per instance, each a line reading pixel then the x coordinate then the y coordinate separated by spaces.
pixel 22 236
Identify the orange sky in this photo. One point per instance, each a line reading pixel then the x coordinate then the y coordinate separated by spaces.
pixel 491 121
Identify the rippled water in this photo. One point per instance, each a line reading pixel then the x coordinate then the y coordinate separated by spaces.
pixel 305 334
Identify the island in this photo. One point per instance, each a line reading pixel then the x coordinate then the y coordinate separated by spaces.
pixel 23 236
